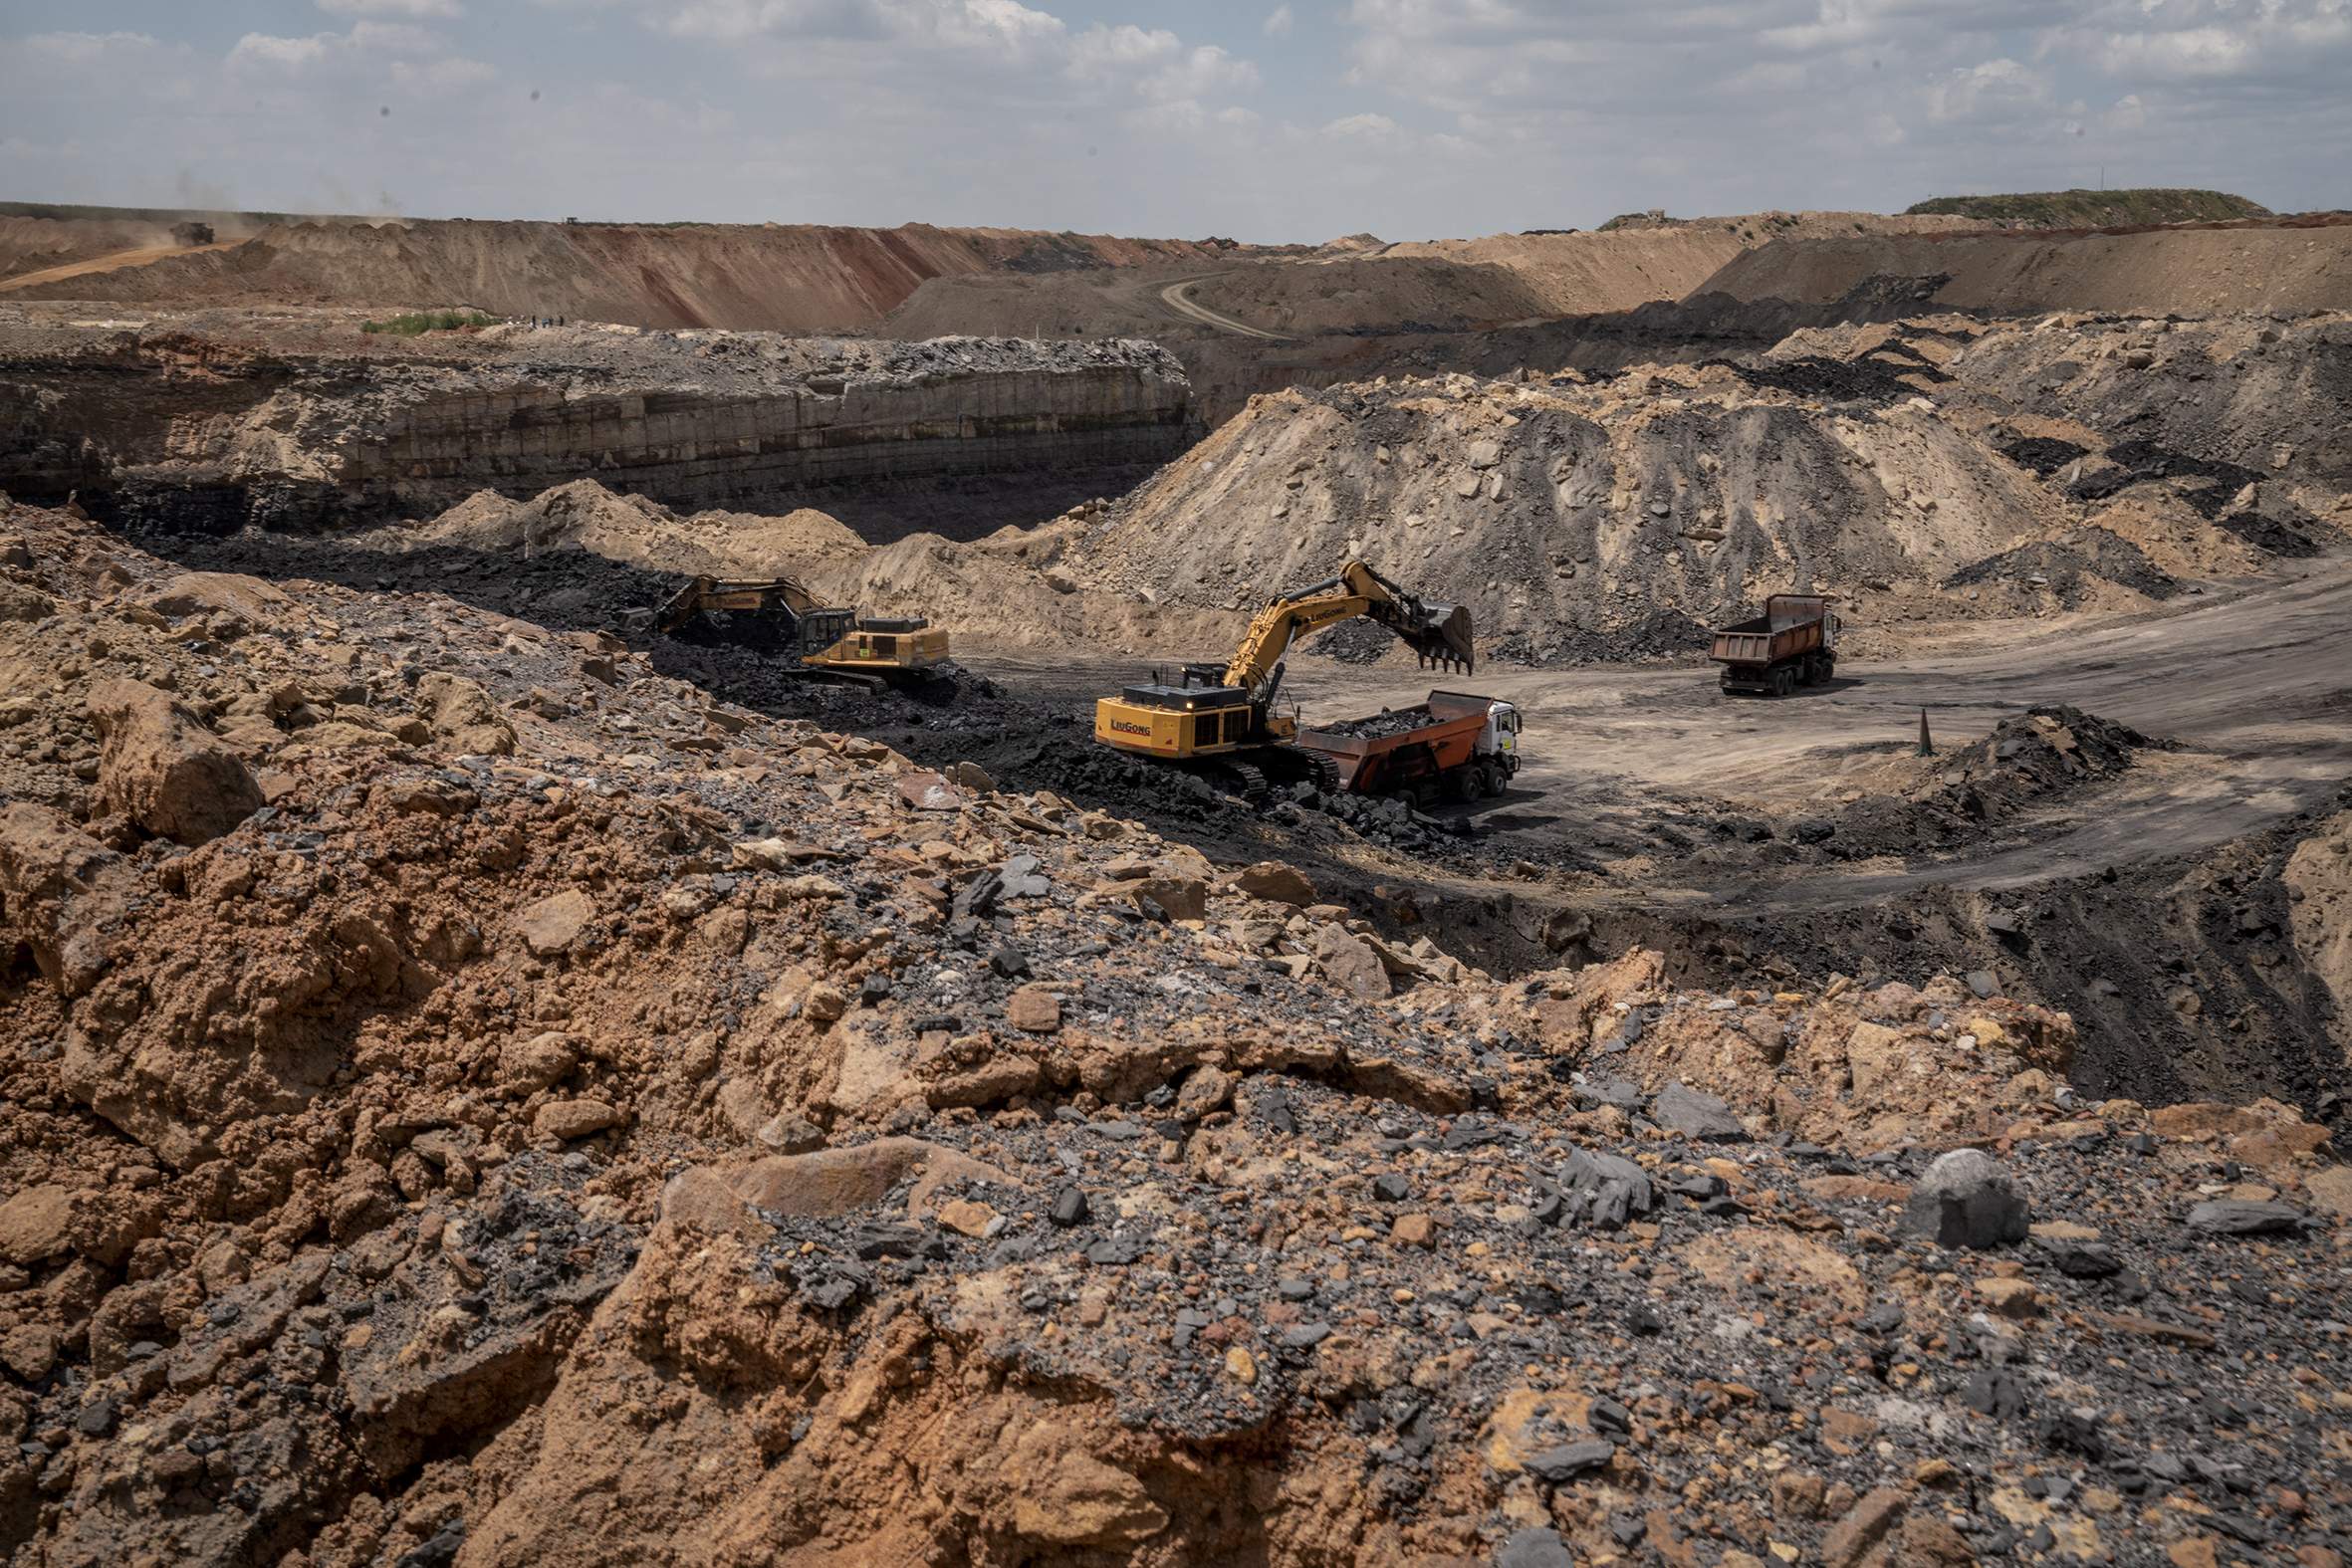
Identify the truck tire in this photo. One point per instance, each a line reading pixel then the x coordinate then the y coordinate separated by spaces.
pixel 1493 781
pixel 1461 785
pixel 1783 681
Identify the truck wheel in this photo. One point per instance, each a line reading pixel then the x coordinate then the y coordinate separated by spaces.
pixel 1461 786
pixel 1494 781
pixel 1783 681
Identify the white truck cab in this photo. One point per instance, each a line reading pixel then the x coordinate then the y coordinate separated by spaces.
pixel 1500 739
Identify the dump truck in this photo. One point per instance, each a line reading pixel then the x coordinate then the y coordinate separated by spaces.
pixel 778 615
pixel 1793 643
pixel 1217 718
pixel 1456 745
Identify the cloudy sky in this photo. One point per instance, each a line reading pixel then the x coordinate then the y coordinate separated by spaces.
pixel 1293 120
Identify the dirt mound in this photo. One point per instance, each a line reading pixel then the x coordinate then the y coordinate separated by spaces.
pixel 2182 272
pixel 1930 470
pixel 785 278
pixel 640 532
pixel 574 1119
pixel 1908 805
pixel 1013 589
pixel 1562 510
pixel 2071 570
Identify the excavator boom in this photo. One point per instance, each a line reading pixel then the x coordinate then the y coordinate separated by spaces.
pixel 1438 633
pixel 1222 716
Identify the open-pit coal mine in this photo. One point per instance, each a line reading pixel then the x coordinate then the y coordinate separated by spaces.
pixel 545 1019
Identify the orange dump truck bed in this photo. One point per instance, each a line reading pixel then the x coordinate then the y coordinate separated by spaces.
pixel 1396 748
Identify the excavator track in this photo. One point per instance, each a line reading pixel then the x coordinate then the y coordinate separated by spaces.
pixel 1245 779
pixel 1322 772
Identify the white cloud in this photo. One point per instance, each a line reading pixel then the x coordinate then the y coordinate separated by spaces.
pixel 395 38
pixel 443 76
pixel 1104 51
pixel 282 54
pixel 79 47
pixel 1205 72
pixel 2189 52
pixel 1988 89
pixel 420 8
pixel 1451 115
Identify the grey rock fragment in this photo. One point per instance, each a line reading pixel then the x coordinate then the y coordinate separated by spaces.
pixel 1696 1115
pixel 1967 1199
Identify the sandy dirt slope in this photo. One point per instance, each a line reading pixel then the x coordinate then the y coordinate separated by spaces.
pixel 1589 273
pixel 1452 284
pixel 787 278
pixel 2189 272
pixel 112 261
pixel 29 245
pixel 1387 291
pixel 636 531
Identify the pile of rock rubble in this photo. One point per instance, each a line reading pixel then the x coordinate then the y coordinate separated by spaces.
pixel 470 1098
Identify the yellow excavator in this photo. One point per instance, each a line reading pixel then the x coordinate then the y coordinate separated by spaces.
pixel 1219 719
pixel 778 615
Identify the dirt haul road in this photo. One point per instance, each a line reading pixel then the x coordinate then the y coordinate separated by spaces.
pixel 1178 297
pixel 2255 686
pixel 113 262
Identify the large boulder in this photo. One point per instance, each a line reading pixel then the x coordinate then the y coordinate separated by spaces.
pixel 1276 882
pixel 1350 963
pixel 463 716
pixel 1967 1199
pixel 60 889
pixel 1696 1115
pixel 163 769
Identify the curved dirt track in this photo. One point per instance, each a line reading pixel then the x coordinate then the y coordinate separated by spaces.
pixel 1177 298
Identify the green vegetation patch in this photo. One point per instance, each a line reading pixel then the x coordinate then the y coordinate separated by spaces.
pixel 417 322
pixel 2093 209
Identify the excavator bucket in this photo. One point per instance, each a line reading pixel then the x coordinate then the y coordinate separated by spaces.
pixel 1439 634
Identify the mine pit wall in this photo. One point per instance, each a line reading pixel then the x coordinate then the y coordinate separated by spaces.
pixel 691 451
pixel 308 447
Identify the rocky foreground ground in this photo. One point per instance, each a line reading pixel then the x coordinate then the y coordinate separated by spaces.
pixel 470 1098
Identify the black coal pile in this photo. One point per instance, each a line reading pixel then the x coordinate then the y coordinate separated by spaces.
pixel 2028 759
pixel 2232 496
pixel 2067 569
pixel 2046 748
pixel 1379 726
pixel 2043 454
pixel 1661 634
pixel 1877 377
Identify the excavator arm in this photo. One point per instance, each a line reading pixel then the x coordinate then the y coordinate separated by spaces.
pixel 1221 715
pixel 1439 634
